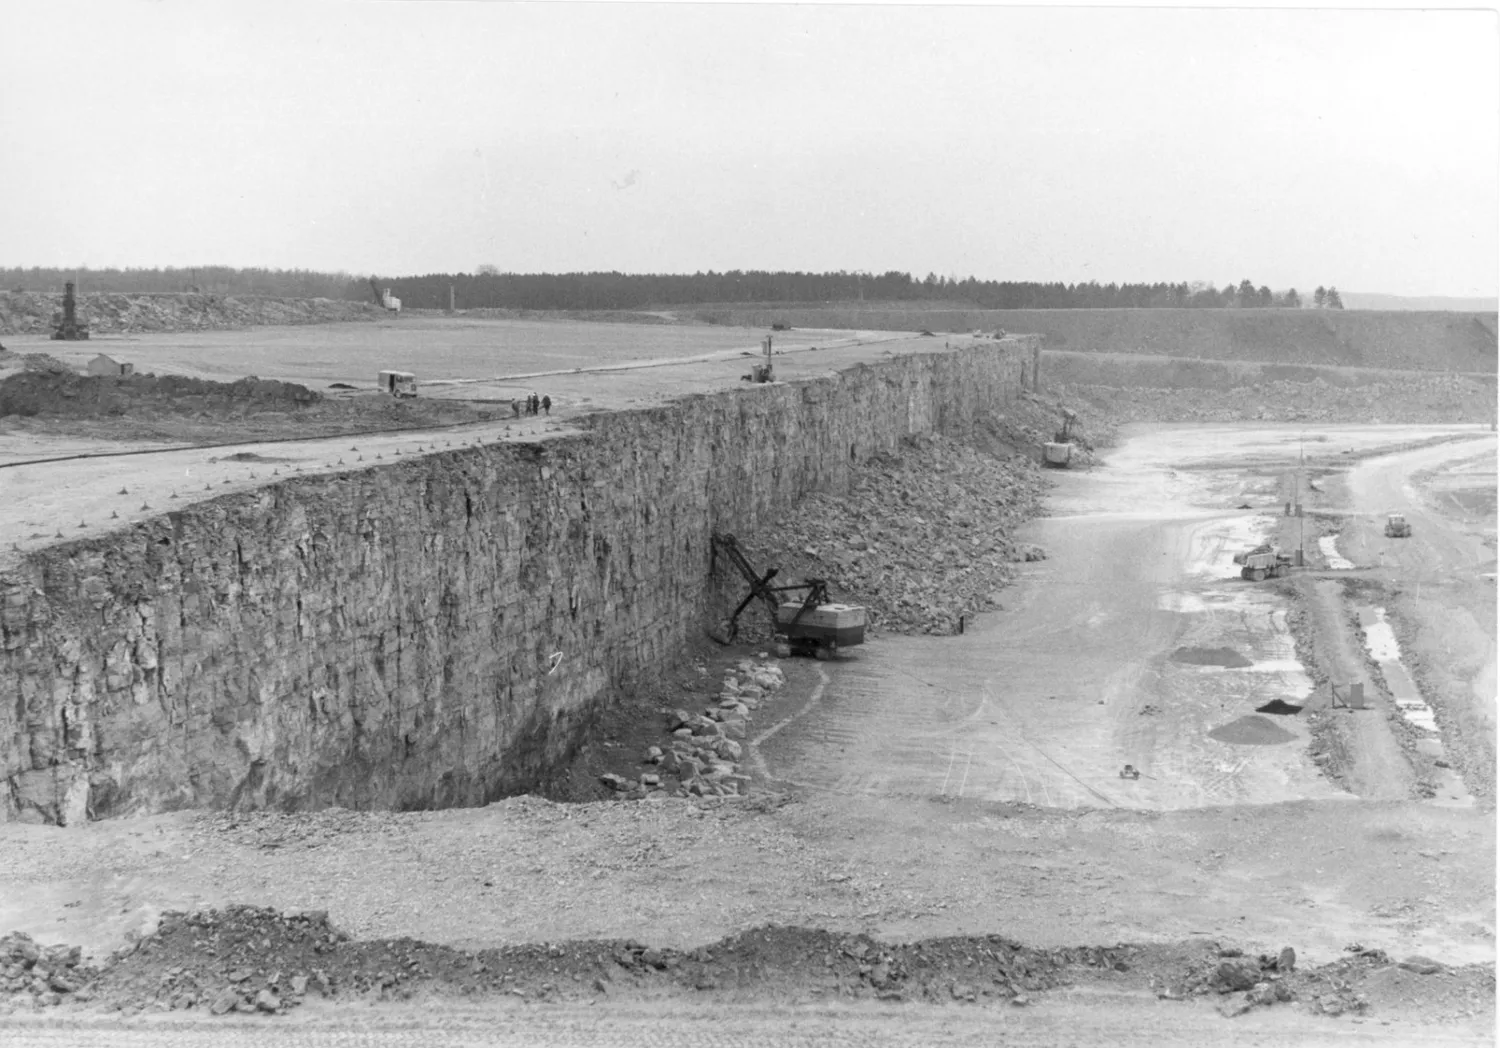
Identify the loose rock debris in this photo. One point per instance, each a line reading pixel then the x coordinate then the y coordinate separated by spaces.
pixel 703 750
pixel 924 537
pixel 252 961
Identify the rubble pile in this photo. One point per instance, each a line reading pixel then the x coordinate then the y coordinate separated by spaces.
pixel 42 976
pixel 1338 988
pixel 703 751
pixel 58 394
pixel 923 538
pixel 1418 397
pixel 43 362
pixel 252 961
pixel 1033 419
pixel 31 312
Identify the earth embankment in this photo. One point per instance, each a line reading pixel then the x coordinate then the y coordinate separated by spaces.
pixel 1379 339
pixel 30 312
pixel 1139 388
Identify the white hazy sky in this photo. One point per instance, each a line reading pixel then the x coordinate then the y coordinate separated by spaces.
pixel 1295 148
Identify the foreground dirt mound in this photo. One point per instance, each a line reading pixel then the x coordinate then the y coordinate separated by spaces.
pixel 10 361
pixel 248 960
pixel 30 312
pixel 923 537
pixel 55 393
pixel 175 408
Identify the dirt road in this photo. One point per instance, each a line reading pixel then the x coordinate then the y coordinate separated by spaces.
pixel 1135 643
pixel 1082 1020
pixel 1438 588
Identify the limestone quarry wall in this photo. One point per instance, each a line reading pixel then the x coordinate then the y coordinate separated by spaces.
pixel 433 633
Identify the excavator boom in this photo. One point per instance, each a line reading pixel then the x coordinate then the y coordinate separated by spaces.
pixel 811 622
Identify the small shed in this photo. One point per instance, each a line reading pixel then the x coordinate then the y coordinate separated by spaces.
pixel 107 365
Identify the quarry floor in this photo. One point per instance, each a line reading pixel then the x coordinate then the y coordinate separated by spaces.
pixel 968 785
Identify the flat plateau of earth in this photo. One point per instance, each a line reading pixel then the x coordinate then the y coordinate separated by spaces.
pixel 437 349
pixel 84 487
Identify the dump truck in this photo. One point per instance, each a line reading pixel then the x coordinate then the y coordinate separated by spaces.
pixel 398 383
pixel 811 624
pixel 1264 561
pixel 1396 527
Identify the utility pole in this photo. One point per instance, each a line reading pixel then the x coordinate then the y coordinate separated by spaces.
pixel 1299 482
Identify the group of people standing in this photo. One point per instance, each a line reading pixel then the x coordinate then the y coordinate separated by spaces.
pixel 534 405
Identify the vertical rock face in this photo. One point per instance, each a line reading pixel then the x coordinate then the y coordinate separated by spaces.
pixel 428 634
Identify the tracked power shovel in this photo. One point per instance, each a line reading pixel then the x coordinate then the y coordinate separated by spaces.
pixel 812 625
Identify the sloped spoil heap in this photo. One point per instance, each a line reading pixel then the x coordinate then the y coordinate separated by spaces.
pixel 923 537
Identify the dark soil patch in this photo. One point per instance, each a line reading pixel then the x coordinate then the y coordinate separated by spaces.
pixel 1279 707
pixel 222 415
pixel 250 456
pixel 1226 657
pixel 1252 730
pixel 32 393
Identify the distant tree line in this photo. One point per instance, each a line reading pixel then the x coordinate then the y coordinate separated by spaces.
pixel 488 287
pixel 209 280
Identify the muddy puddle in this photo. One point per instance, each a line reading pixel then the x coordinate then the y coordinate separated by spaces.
pixel 1385 649
pixel 1225 657
pixel 1329 544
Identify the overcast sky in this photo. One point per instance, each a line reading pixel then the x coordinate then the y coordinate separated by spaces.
pixel 1295 148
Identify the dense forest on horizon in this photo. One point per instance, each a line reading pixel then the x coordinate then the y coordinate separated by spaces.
pixel 490 288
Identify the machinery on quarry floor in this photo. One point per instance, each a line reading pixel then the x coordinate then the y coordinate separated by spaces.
pixel 1058 452
pixel 813 625
pixel 387 301
pixel 1396 527
pixel 66 327
pixel 1264 561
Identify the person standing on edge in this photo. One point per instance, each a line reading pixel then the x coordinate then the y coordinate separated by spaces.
pixel 547 405
pixel 515 406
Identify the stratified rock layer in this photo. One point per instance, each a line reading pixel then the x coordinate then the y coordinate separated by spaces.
pixel 431 633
